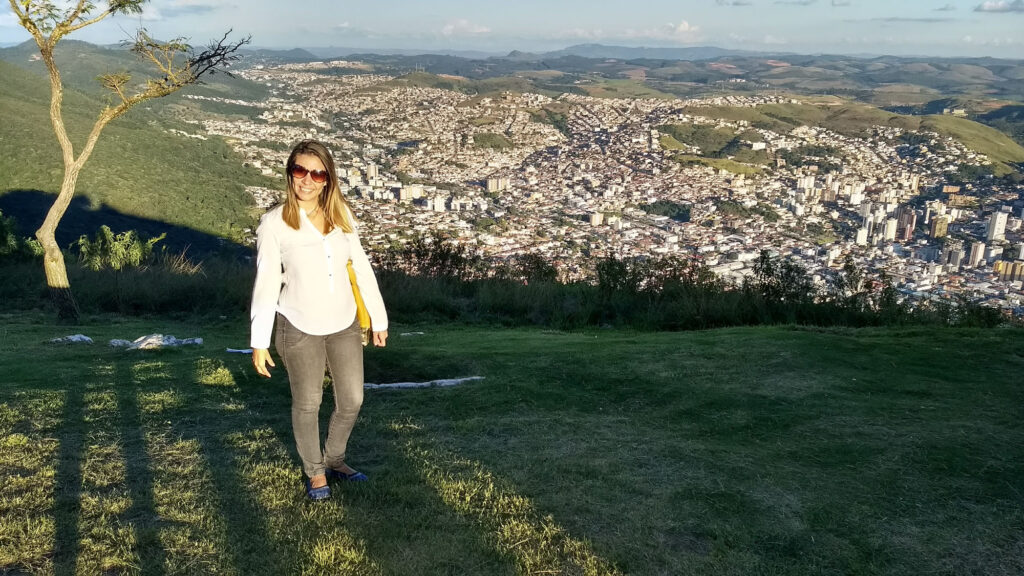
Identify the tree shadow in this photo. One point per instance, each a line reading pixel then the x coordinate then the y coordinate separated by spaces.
pixel 138 474
pixel 488 527
pixel 68 500
pixel 29 208
pixel 247 534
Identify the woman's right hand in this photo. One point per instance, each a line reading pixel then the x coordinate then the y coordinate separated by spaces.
pixel 260 359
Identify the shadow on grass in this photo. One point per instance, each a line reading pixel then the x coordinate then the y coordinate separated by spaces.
pixel 427 510
pixel 248 541
pixel 29 207
pixel 512 525
pixel 138 474
pixel 68 505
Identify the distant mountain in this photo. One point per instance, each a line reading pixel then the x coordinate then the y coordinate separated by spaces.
pixel 81 63
pixel 292 55
pixel 639 53
pixel 331 52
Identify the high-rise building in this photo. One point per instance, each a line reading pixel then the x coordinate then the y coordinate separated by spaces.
pixel 997 226
pixel 906 223
pixel 1008 271
pixel 993 253
pixel 891 225
pixel 952 255
pixel 940 225
pixel 977 254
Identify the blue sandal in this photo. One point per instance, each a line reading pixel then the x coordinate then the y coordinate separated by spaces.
pixel 353 477
pixel 317 494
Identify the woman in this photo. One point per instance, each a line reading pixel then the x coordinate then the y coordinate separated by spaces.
pixel 303 247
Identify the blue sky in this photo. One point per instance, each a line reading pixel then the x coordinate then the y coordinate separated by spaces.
pixel 901 27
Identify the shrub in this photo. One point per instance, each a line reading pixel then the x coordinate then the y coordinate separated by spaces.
pixel 125 250
pixel 14 248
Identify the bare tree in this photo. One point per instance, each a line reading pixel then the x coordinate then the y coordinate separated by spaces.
pixel 175 64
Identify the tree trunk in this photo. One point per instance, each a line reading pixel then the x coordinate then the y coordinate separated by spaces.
pixel 53 258
pixel 60 288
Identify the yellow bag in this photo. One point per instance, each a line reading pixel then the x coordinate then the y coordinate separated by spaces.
pixel 362 314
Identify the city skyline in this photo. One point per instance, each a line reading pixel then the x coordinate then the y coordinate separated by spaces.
pixel 913 28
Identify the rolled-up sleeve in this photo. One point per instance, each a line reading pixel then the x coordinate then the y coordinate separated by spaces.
pixel 267 288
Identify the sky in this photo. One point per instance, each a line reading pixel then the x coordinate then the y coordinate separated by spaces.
pixel 869 27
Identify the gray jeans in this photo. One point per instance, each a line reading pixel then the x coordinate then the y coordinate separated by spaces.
pixel 304 357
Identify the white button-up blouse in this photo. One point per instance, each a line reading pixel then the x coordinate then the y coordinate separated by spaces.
pixel 303 275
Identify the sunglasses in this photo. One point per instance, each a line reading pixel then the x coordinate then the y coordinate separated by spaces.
pixel 299 172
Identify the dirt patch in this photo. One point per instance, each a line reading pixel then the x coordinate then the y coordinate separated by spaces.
pixel 636 74
pixel 724 67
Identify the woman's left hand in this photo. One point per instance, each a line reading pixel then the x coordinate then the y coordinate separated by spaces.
pixel 380 339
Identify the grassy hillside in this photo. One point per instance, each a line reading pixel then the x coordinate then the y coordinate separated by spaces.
pixel 741 451
pixel 855 119
pixel 138 167
pixel 81 63
pixel 486 86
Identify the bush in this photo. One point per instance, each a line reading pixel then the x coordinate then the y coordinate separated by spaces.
pixel 125 250
pixel 14 248
pixel 434 279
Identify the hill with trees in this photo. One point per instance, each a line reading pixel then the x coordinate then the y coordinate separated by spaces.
pixel 139 168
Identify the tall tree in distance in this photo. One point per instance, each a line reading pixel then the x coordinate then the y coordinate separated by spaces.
pixel 175 65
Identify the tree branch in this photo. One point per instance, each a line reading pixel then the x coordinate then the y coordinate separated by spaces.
pixel 71 28
pixel 217 57
pixel 27 23
pixel 75 14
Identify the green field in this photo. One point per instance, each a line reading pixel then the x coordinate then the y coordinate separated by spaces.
pixel 855 119
pixel 622 88
pixel 735 451
pixel 492 140
pixel 718 164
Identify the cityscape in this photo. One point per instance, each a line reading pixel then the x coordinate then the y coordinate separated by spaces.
pixel 485 171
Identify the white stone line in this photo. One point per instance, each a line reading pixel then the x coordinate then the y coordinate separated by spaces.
pixel 430 384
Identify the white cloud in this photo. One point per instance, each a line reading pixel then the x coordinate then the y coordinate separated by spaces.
pixel 150 13
pixel 946 8
pixel 681 32
pixel 582 33
pixel 1001 6
pixel 8 20
pixel 769 39
pixel 463 27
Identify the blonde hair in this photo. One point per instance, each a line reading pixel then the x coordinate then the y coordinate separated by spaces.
pixel 334 206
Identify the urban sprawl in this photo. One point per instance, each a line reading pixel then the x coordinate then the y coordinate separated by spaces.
pixel 491 173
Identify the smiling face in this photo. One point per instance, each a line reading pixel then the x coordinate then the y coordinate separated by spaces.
pixel 306 190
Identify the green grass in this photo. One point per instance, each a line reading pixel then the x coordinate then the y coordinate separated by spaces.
pixel 736 451
pixel 854 119
pixel 492 140
pixel 718 164
pixel 483 121
pixel 623 88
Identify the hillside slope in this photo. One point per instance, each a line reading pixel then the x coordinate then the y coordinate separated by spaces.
pixel 138 167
